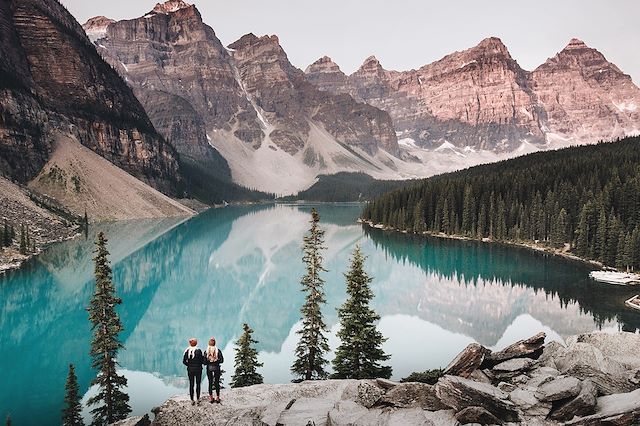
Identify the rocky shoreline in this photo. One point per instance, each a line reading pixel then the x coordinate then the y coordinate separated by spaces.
pixel 19 205
pixel 531 246
pixel 593 380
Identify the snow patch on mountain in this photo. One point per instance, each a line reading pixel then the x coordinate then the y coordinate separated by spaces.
pixel 625 106
pixel 407 142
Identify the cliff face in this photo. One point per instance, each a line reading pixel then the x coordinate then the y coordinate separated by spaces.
pixel 585 96
pixel 480 98
pixel 241 100
pixel 183 76
pixel 289 102
pixel 58 82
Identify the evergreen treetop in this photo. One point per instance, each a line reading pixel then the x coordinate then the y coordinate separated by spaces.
pixel 360 351
pixel 71 413
pixel 310 352
pixel 113 403
pixel 246 361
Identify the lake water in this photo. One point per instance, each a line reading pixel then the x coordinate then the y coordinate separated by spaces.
pixel 210 274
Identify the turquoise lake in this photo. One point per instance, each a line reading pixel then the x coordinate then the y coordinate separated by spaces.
pixel 208 275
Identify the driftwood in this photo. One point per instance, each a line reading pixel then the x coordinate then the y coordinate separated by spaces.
pixel 530 348
pixel 467 361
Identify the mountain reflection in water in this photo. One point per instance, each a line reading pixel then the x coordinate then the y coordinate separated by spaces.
pixel 210 274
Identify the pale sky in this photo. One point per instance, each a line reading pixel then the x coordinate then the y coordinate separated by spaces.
pixel 406 34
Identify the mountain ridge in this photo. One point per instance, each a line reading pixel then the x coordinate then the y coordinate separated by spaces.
pixel 278 133
pixel 412 97
pixel 252 105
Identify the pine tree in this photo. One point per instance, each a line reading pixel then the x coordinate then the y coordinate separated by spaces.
pixel 313 345
pixel 72 407
pixel 621 256
pixel 360 352
pixel 23 241
pixel 246 361
pixel 601 236
pixel 106 325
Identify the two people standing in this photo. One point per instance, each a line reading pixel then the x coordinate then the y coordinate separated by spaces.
pixel 193 358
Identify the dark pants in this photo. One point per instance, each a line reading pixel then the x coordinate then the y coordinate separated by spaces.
pixel 214 380
pixel 194 377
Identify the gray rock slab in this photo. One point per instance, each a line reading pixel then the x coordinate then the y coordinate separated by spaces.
pixel 559 388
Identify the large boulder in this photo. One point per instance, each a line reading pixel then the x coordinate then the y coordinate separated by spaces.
pixel 413 395
pixel 606 384
pixel 613 410
pixel 368 394
pixel 621 347
pixel 467 361
pixel 529 348
pixel 459 393
pixel 345 413
pixel 586 354
pixel 512 368
pixel 559 389
pixel 582 405
pixel 549 351
pixel 528 403
pixel 477 415
pixel 305 411
pixel 514 365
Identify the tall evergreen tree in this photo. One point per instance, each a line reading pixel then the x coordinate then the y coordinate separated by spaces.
pixel 360 352
pixel 313 345
pixel 72 407
pixel 246 361
pixel 113 403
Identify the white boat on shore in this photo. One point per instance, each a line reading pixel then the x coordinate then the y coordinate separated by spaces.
pixel 633 302
pixel 617 278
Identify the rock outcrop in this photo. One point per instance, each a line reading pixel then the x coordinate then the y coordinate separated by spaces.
pixel 54 81
pixel 585 97
pixel 538 395
pixel 480 98
pixel 246 102
pixel 20 207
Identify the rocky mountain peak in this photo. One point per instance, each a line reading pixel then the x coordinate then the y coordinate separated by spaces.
pixel 576 43
pixel 370 67
pixel 493 44
pixel 371 63
pixel 323 65
pixel 96 27
pixel 250 40
pixel 170 6
pixel 587 60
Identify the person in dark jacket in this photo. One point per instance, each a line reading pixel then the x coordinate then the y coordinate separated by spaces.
pixel 194 359
pixel 212 359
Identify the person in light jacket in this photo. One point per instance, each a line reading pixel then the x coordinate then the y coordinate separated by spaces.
pixel 193 359
pixel 212 359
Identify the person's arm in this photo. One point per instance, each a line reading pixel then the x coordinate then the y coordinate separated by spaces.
pixel 184 359
pixel 220 357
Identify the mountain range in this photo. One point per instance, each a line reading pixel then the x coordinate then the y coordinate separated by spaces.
pixel 278 127
pixel 164 101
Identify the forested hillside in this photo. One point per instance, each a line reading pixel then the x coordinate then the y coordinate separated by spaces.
pixel 345 186
pixel 584 198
